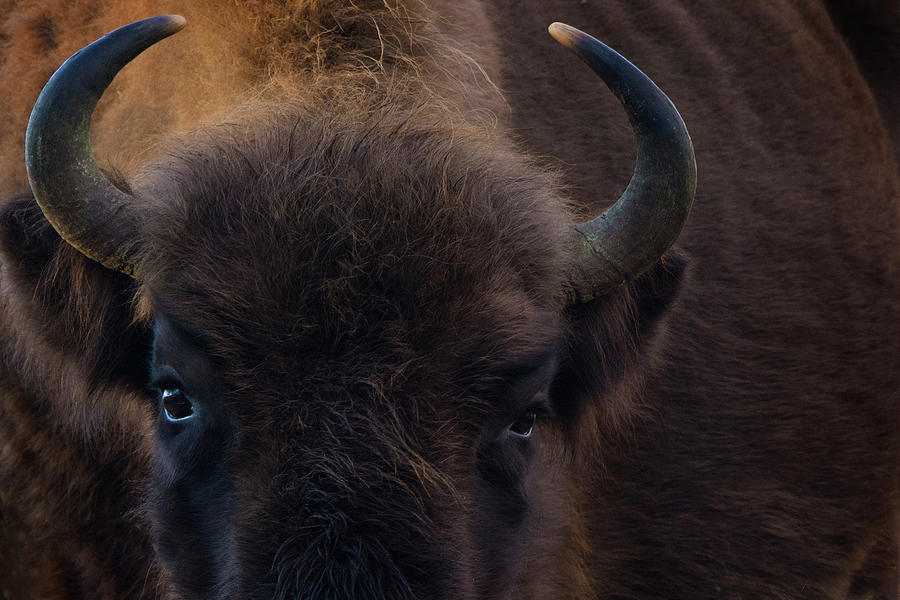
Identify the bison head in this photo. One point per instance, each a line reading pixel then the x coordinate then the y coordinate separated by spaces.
pixel 360 320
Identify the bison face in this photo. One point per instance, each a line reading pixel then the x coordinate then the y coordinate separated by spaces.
pixel 355 335
pixel 357 310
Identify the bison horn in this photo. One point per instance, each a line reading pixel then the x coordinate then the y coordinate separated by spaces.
pixel 88 211
pixel 632 234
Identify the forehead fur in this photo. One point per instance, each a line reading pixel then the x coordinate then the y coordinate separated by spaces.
pixel 386 230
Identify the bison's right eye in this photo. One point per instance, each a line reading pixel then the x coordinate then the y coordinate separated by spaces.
pixel 176 405
pixel 523 426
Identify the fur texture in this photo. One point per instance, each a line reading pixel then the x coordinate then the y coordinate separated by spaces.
pixel 352 261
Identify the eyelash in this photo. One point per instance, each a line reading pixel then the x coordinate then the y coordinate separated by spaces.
pixel 161 384
pixel 539 407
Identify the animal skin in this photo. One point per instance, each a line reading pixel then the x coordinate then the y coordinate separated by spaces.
pixel 355 223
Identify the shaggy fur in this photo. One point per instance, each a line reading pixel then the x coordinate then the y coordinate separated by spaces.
pixel 325 294
pixel 355 274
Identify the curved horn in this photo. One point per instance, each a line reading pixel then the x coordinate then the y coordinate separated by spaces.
pixel 632 234
pixel 88 211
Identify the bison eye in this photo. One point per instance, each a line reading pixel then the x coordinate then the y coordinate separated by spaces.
pixel 521 427
pixel 176 405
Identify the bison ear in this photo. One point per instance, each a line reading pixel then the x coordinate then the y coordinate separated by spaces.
pixel 612 337
pixel 75 304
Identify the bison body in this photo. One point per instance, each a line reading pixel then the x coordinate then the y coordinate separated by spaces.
pixel 356 219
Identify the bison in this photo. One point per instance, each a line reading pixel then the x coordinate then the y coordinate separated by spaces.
pixel 337 317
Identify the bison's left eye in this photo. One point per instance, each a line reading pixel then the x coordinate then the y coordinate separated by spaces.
pixel 176 405
pixel 522 427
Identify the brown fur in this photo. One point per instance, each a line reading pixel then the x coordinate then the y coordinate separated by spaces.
pixel 239 52
pixel 361 243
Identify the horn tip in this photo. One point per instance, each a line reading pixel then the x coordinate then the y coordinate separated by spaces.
pixel 566 35
pixel 172 23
